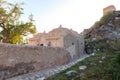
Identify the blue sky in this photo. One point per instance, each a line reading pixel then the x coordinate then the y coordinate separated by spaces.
pixel 75 14
pixel 38 7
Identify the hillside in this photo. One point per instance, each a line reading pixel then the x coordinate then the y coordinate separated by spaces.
pixel 103 39
pixel 101 66
pixel 106 30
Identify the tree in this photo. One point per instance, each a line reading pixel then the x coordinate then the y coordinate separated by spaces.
pixel 12 29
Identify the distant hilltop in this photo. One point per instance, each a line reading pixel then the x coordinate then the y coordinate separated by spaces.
pixel 108 9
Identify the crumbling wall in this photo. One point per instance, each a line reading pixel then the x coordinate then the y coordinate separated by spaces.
pixel 20 59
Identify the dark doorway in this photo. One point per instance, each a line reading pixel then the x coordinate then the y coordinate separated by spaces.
pixel 72 43
pixel 41 44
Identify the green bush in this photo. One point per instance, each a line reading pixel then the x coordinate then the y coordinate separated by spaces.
pixel 106 18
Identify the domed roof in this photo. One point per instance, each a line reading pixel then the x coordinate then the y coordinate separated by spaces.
pixel 57 32
pixel 61 32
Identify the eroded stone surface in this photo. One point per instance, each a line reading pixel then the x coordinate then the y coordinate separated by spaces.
pixel 20 59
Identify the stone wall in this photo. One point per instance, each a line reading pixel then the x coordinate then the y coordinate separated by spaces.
pixel 75 46
pixel 20 59
pixel 41 75
pixel 55 41
pixel 70 43
pixel 81 44
pixel 72 51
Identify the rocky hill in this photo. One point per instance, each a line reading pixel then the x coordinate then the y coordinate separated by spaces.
pixel 107 29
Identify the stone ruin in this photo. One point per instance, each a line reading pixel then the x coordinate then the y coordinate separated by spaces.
pixel 61 37
pixel 108 9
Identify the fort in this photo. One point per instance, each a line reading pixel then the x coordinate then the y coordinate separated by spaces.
pixel 108 9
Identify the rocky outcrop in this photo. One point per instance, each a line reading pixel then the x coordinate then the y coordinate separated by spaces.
pixel 105 30
pixel 110 30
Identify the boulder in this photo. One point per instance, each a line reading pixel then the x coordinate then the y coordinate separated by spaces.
pixel 104 57
pixel 82 67
pixel 71 73
pixel 100 61
pixel 92 63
